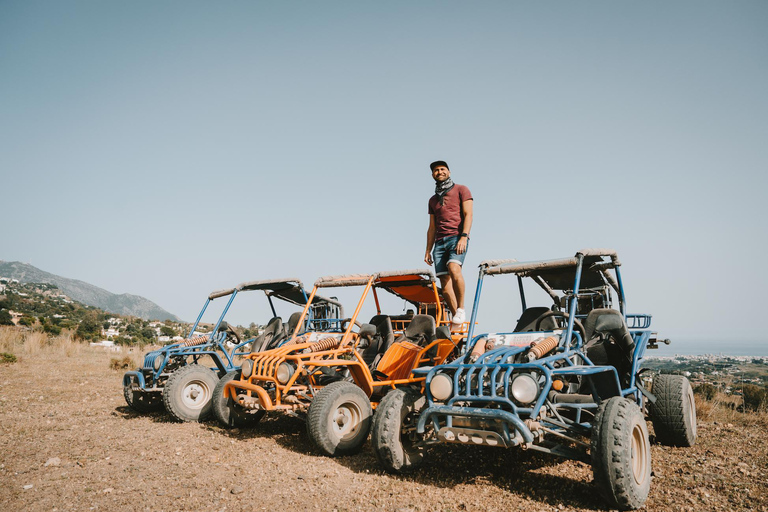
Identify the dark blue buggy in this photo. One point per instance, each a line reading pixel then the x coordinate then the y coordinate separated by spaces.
pixel 179 376
pixel 565 381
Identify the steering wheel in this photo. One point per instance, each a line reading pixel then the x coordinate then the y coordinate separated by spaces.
pixel 562 314
pixel 346 321
pixel 231 330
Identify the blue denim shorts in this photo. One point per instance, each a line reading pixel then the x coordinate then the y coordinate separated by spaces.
pixel 444 252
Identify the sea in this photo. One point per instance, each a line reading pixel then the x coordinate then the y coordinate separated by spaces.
pixel 690 347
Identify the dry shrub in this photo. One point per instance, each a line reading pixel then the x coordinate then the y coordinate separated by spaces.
pixel 7 357
pixel 126 363
pixel 725 409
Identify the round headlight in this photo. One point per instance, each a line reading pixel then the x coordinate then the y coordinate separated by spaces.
pixel 158 362
pixel 441 386
pixel 284 372
pixel 246 369
pixel 524 388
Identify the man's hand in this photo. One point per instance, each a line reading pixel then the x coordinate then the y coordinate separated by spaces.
pixel 428 258
pixel 461 245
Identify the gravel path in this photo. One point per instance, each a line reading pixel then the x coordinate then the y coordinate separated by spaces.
pixel 68 442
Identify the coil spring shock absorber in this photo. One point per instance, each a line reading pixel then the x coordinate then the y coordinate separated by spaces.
pixel 325 344
pixel 540 348
pixel 194 341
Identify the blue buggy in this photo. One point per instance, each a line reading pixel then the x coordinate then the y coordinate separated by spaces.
pixel 565 381
pixel 177 375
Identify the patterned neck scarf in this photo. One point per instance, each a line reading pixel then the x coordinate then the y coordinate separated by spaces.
pixel 442 188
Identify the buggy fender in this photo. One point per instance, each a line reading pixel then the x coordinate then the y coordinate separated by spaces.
pixel 471 412
pixel 139 378
pixel 603 380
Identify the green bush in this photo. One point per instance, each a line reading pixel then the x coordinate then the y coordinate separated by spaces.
pixel 707 390
pixel 6 357
pixel 755 397
pixel 5 317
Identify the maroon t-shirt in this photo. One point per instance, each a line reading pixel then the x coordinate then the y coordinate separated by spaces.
pixel 448 215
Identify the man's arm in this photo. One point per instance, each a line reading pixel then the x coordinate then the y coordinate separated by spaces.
pixel 430 239
pixel 466 226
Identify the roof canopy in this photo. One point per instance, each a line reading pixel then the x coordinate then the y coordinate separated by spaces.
pixel 412 285
pixel 559 274
pixel 290 290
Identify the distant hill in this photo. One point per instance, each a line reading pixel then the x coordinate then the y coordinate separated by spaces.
pixel 123 304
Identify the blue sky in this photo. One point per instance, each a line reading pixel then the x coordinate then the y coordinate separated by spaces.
pixel 167 149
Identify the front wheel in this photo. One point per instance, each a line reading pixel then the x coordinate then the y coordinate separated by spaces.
pixel 674 413
pixel 339 419
pixel 227 411
pixel 142 401
pixel 188 392
pixel 393 433
pixel 621 453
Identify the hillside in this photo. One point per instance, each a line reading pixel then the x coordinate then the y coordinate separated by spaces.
pixel 122 304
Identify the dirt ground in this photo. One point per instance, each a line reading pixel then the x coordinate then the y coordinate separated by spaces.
pixel 68 442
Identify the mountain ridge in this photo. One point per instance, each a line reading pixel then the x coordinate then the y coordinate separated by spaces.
pixel 86 293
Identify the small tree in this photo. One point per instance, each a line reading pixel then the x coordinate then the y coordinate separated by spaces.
pixel 5 317
pixel 167 331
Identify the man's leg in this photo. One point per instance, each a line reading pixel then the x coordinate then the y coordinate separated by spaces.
pixel 455 278
pixel 448 292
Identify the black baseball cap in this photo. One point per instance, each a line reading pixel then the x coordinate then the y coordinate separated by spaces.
pixel 438 163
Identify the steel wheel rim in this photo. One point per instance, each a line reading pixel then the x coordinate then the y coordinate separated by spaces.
pixel 639 455
pixel 196 394
pixel 346 421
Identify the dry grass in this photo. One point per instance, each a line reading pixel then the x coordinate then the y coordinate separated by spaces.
pixel 26 343
pixel 723 409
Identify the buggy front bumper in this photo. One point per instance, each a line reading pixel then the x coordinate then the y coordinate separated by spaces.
pixel 523 434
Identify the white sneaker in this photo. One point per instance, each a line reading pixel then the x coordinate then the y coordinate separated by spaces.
pixel 459 317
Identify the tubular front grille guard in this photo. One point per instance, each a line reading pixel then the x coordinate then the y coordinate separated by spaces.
pixel 490 384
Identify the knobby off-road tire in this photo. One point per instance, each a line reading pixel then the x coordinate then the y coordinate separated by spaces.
pixel 674 413
pixel 621 454
pixel 188 392
pixel 143 401
pixel 339 419
pixel 393 446
pixel 227 412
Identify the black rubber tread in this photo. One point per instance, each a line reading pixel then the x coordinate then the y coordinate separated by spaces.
pixel 674 413
pixel 611 453
pixel 386 431
pixel 225 410
pixel 174 387
pixel 320 416
pixel 143 401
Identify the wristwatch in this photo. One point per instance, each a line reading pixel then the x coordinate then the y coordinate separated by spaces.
pixel 464 235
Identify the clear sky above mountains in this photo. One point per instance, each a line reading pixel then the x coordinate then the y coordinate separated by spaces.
pixel 167 149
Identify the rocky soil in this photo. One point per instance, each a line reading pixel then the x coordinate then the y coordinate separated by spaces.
pixel 68 442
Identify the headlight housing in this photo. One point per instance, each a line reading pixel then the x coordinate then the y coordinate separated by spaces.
pixel 284 372
pixel 158 362
pixel 441 386
pixel 246 369
pixel 524 388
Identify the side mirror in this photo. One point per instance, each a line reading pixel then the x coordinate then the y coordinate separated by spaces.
pixel 223 326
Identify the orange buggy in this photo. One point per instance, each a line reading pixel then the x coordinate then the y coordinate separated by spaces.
pixel 338 378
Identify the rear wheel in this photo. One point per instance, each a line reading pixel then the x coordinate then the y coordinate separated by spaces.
pixel 393 433
pixel 621 453
pixel 339 419
pixel 142 401
pixel 227 411
pixel 188 393
pixel 674 413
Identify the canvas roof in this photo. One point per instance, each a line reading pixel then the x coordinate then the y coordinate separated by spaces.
pixel 412 285
pixel 559 274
